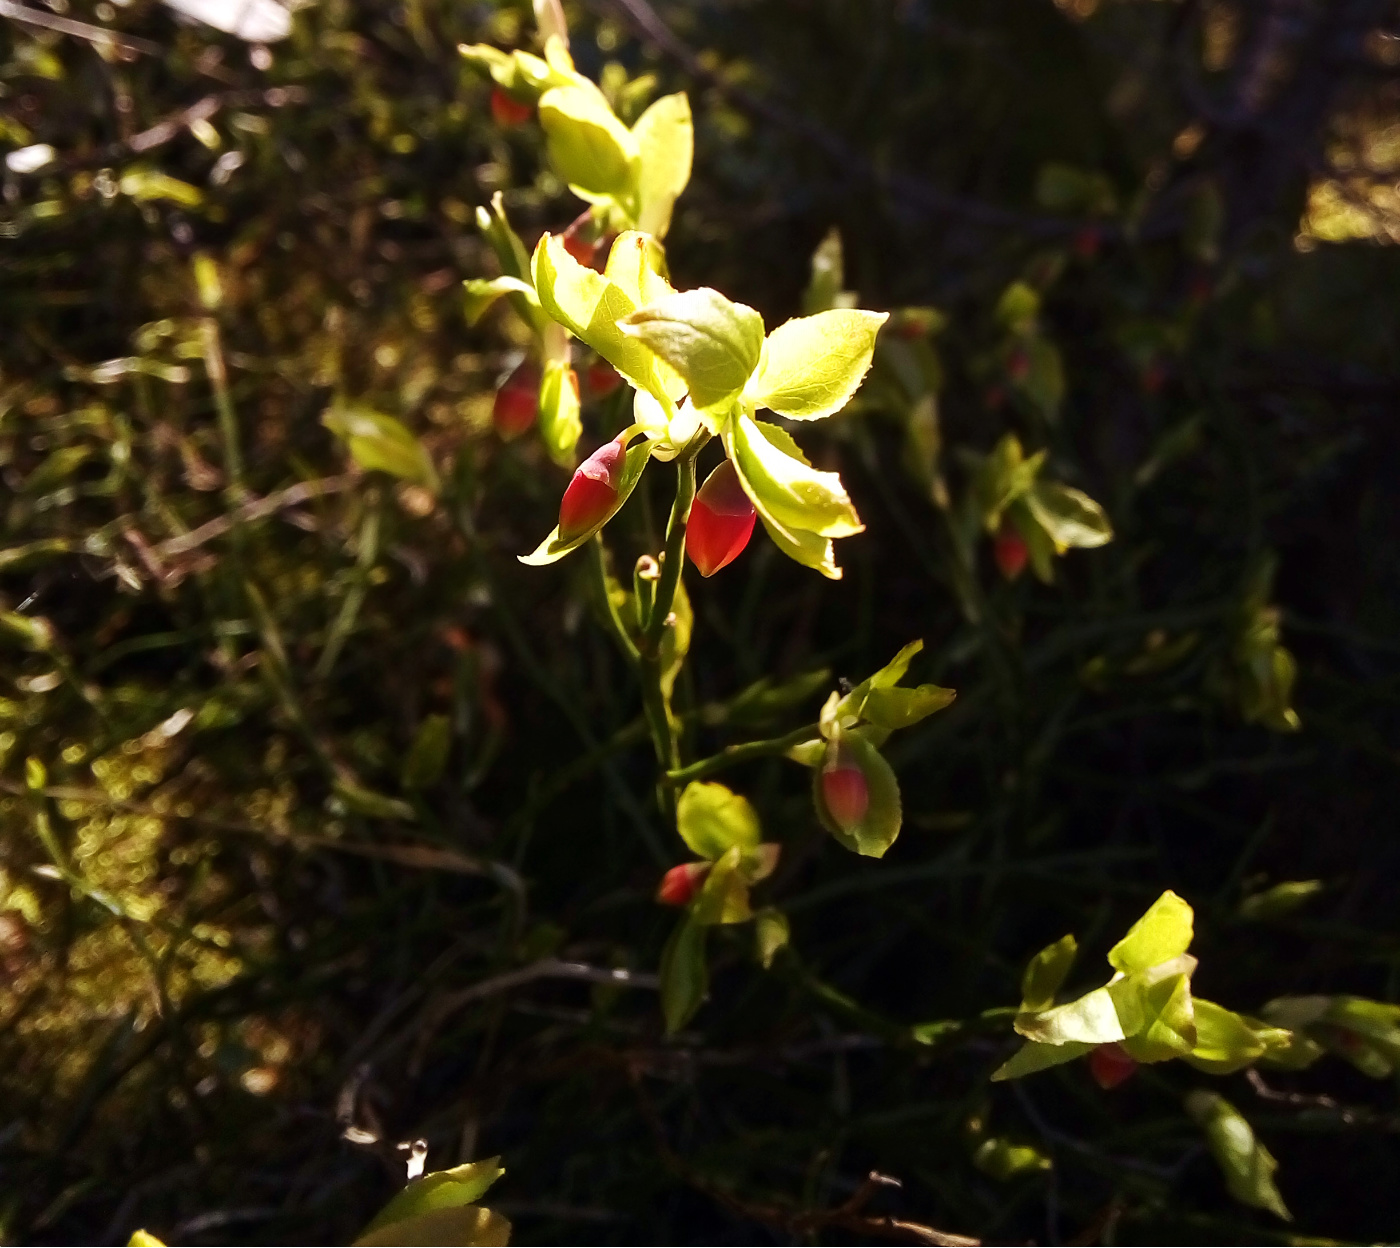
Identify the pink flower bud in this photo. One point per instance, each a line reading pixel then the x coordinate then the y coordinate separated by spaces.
pixel 602 379
pixel 1010 551
pixel 680 884
pixel 845 789
pixel 593 491
pixel 507 111
pixel 514 410
pixel 721 521
pixel 1110 1065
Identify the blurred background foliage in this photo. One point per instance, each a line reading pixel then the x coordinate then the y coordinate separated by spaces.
pixel 323 823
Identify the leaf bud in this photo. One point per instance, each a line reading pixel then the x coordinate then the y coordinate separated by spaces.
pixel 592 492
pixel 721 521
pixel 1010 551
pixel 1110 1065
pixel 844 789
pixel 517 401
pixel 680 884
pixel 508 111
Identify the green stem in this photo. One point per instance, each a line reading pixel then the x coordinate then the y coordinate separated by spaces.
pixel 600 578
pixel 733 755
pixel 672 557
pixel 213 352
pixel 665 732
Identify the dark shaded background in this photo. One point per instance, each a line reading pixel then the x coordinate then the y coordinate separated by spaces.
pixel 282 962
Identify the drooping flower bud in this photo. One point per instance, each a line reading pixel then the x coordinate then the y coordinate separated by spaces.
pixel 592 492
pixel 513 412
pixel 1010 551
pixel 680 884
pixel 508 111
pixel 721 521
pixel 1110 1065
pixel 845 790
pixel 585 241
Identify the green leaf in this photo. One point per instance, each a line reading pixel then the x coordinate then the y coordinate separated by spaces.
pixel 1046 974
pixel 712 342
pixel 808 753
pixel 1043 382
pixel 427 756
pixel 1163 933
pixel 483 292
pixel 1069 516
pixel 590 305
pixel 144 1239
pixel 1033 1056
pixel 591 150
pixel 1002 478
pixel 1092 1019
pixel 1164 1017
pixel 559 422
pixel 552 548
pixel 1040 546
pixel 145 185
pixel 785 487
pixel 1280 900
pixel 824 290
pixel 684 975
pixel 363 801
pixel 771 932
pixel 892 709
pixel 883 817
pixel 440 1189
pixel 1003 1160
pixel 665 140
pixel 1247 1165
pixel 711 819
pixel 380 442
pixel 1018 307
pixel 810 367
pixel 724 896
pixel 1224 1041
pixel 469 1225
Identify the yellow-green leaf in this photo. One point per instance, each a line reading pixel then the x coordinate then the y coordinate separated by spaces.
pixel 427 756
pixel 684 976
pixel 665 142
pixel 724 896
pixel 559 422
pixel 1224 1041
pixel 1247 1165
pixel 468 1225
pixel 1091 1019
pixel 1003 1160
pixel 1045 974
pixel 376 441
pixel 712 819
pixel 440 1189
pixel 712 342
pixel 1034 1056
pixel 591 150
pixel 810 367
pixel 1163 933
pixel 1069 516
pixel 771 932
pixel 879 828
pixel 786 488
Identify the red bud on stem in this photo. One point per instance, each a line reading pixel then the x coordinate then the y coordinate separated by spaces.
pixel 1110 1065
pixel 1010 551
pixel 721 521
pixel 592 492
pixel 845 789
pixel 507 111
pixel 680 884
pixel 517 400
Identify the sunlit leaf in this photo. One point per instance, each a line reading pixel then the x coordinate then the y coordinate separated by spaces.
pixel 711 342
pixel 712 819
pixel 684 976
pixel 665 141
pixel 1247 1165
pixel 810 367
pixel 440 1189
pixel 1046 973
pixel 1163 933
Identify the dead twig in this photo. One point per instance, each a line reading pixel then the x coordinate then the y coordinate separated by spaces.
pixel 98 35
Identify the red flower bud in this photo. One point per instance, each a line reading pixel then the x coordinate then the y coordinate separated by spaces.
pixel 1110 1065
pixel 585 244
pixel 507 111
pixel 721 521
pixel 592 492
pixel 514 410
pixel 1086 243
pixel 1010 551
pixel 1018 367
pixel 844 790
pixel 680 884
pixel 602 379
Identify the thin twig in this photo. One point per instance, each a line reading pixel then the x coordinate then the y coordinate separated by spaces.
pixel 99 35
pixel 292 496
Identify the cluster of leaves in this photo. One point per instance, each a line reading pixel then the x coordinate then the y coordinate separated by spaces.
pixel 325 824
